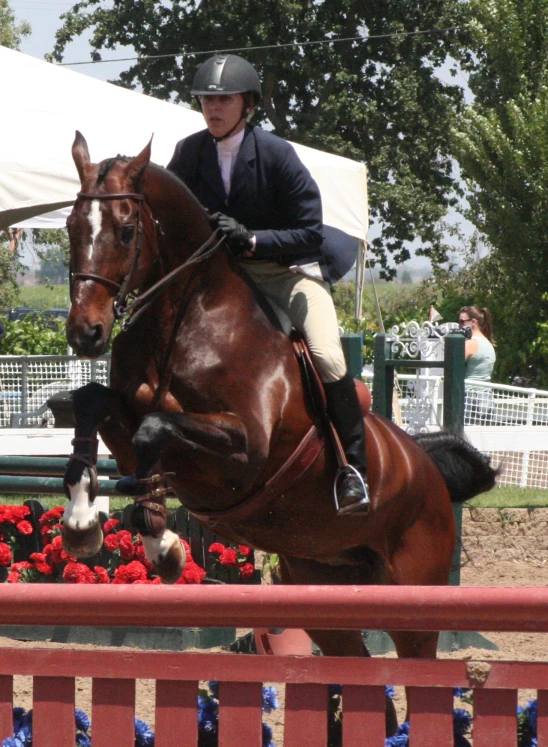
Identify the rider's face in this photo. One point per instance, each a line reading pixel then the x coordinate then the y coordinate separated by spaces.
pixel 221 113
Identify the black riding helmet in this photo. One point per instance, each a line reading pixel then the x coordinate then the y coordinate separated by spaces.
pixel 226 74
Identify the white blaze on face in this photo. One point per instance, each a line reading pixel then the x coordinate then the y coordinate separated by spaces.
pixel 80 513
pixel 95 221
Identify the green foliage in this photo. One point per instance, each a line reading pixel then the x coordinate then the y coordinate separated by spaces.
pixel 374 98
pixel 397 303
pixel 10 265
pixel 31 336
pixel 10 32
pixel 44 297
pixel 501 141
pixel 53 249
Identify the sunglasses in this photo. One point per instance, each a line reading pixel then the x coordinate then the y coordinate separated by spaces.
pixel 464 321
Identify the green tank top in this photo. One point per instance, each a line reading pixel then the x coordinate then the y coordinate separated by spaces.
pixel 480 365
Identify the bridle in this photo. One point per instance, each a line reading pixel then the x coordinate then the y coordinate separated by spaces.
pixel 123 306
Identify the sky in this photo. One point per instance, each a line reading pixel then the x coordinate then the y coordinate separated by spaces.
pixel 44 18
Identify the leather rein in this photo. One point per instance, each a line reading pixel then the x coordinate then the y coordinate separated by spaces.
pixel 123 305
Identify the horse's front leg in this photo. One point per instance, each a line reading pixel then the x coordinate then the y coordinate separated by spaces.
pixel 92 405
pixel 213 450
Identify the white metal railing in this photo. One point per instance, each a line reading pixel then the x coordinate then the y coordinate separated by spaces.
pixel 27 382
pixel 507 422
pixel 510 423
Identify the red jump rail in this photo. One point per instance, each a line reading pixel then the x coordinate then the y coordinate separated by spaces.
pixel 241 676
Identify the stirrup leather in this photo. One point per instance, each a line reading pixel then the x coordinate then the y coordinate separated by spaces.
pixel 362 502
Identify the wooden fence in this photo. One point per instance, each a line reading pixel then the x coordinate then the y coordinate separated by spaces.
pixel 495 683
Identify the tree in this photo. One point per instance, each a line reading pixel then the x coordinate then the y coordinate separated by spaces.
pixel 501 141
pixel 374 97
pixel 52 247
pixel 10 32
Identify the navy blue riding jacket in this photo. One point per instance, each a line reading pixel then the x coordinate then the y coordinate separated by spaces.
pixel 273 194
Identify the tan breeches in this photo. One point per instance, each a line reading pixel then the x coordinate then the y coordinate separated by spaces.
pixel 309 305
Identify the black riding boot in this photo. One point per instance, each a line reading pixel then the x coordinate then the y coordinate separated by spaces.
pixel 343 407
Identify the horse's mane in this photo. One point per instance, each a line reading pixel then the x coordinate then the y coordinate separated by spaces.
pixel 106 166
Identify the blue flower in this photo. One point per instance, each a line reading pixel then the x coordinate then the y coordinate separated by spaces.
pixel 267 736
pixel 82 721
pixel 531 711
pixel 83 740
pixel 462 721
pixel 144 737
pixel 214 688
pixel 270 699
pixel 208 714
pixel 461 692
pixel 13 742
pixel 389 691
pixel 400 738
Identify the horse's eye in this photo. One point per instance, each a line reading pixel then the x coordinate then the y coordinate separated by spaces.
pixel 127 234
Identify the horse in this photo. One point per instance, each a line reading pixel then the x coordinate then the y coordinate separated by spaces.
pixel 206 399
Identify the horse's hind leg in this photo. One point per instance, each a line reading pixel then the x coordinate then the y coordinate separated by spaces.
pixel 82 535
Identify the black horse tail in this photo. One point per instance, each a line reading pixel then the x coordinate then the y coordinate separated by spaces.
pixel 466 471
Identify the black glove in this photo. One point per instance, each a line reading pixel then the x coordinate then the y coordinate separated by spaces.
pixel 238 237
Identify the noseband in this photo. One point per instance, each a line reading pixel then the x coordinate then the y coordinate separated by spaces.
pixel 134 308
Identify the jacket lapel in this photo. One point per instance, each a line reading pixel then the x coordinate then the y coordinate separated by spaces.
pixel 244 167
pixel 211 172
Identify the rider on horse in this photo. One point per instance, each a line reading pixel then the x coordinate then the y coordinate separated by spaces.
pixel 268 206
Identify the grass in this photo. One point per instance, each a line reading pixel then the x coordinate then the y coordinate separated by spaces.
pixel 507 497
pixel 42 297
pixel 511 497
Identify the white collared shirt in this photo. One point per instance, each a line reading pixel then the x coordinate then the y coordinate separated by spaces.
pixel 227 152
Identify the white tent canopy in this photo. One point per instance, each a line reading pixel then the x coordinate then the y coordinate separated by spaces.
pixel 47 103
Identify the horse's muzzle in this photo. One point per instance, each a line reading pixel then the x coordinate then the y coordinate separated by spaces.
pixel 89 341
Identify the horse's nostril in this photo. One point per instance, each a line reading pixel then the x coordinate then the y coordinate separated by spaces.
pixel 95 333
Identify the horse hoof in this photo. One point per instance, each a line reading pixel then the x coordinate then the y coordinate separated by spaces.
pixel 170 565
pixel 82 543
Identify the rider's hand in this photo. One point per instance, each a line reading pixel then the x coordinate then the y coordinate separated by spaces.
pixel 237 235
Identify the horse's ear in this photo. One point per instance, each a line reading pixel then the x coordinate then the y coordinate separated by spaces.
pixel 80 154
pixel 137 165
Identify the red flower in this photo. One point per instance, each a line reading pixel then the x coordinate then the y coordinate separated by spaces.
pixel 217 547
pixel 54 514
pixel 244 550
pixel 111 542
pixel 247 570
pixel 102 575
pixel 228 557
pixel 192 574
pixel 110 525
pixel 127 550
pixel 54 551
pixel 13 577
pixel 78 573
pixel 5 555
pixel 149 581
pixel 23 565
pixel 128 574
pixel 25 527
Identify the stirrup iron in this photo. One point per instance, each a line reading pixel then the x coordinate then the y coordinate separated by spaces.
pixel 365 501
